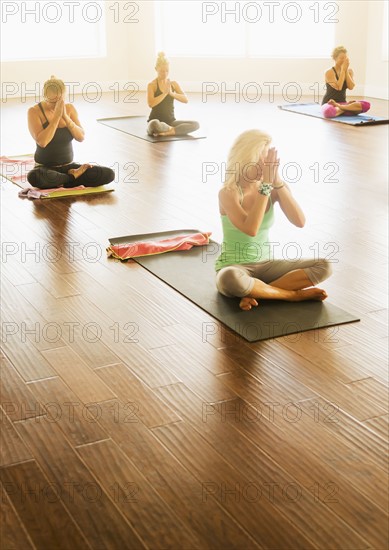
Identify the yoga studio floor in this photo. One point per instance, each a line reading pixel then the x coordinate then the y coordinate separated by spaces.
pixel 132 419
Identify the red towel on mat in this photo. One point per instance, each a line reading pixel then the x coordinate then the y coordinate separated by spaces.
pixel 125 251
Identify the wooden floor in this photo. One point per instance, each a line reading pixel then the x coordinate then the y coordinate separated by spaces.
pixel 123 425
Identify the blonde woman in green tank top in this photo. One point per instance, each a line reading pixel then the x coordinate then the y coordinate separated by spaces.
pixel 245 267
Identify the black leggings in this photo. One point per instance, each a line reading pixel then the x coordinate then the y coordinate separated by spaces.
pixel 46 177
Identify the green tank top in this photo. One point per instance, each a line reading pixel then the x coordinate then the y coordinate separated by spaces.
pixel 240 248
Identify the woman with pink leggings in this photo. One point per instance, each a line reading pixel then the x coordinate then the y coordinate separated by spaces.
pixel 338 79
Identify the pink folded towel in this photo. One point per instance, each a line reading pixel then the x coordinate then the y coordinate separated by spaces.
pixel 126 251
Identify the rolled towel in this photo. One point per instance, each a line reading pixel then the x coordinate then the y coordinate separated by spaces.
pixel 125 251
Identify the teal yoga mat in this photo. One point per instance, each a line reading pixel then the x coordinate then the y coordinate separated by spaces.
pixel 192 274
pixel 136 126
pixel 314 109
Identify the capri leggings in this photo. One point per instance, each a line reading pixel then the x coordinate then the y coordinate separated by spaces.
pixel 183 127
pixel 238 280
pixel 329 111
pixel 45 177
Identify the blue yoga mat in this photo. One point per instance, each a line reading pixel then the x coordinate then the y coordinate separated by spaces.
pixel 314 109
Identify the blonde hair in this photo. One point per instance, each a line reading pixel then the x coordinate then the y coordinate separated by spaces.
pixel 338 50
pixel 55 84
pixel 245 152
pixel 161 60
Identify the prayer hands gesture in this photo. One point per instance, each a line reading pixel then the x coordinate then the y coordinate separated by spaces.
pixel 65 116
pixel 58 109
pixel 167 87
pixel 269 167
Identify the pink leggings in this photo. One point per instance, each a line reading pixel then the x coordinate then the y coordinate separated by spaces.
pixel 329 111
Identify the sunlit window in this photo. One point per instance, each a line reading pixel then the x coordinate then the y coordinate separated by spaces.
pixel 246 29
pixel 52 30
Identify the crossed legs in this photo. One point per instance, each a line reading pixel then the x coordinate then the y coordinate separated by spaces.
pixel 176 128
pixel 71 175
pixel 274 280
pixel 333 109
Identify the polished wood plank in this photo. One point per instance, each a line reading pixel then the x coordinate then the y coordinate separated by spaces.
pixel 39 506
pixel 22 350
pixel 81 335
pixel 126 295
pixel 372 390
pixel 379 425
pixel 313 485
pixel 13 448
pixel 91 508
pixel 192 373
pixel 263 520
pixel 107 306
pixel 13 534
pixel 79 377
pixel 364 442
pixel 133 393
pixel 196 345
pixel 174 483
pixel 29 324
pixel 16 398
pixel 320 380
pixel 78 422
pixel 136 499
pixel 279 442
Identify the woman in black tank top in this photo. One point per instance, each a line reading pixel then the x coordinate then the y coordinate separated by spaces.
pixel 54 125
pixel 338 79
pixel 161 94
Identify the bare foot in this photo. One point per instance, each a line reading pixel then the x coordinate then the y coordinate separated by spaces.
pixel 332 102
pixel 77 172
pixel 310 294
pixel 170 132
pixel 247 303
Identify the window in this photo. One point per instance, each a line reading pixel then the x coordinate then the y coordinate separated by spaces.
pixel 49 30
pixel 183 29
pixel 246 29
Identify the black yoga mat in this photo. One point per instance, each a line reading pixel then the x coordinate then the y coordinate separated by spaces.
pixel 136 126
pixel 314 109
pixel 192 274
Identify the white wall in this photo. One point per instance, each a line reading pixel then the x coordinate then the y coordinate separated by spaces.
pixel 131 58
pixel 376 80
